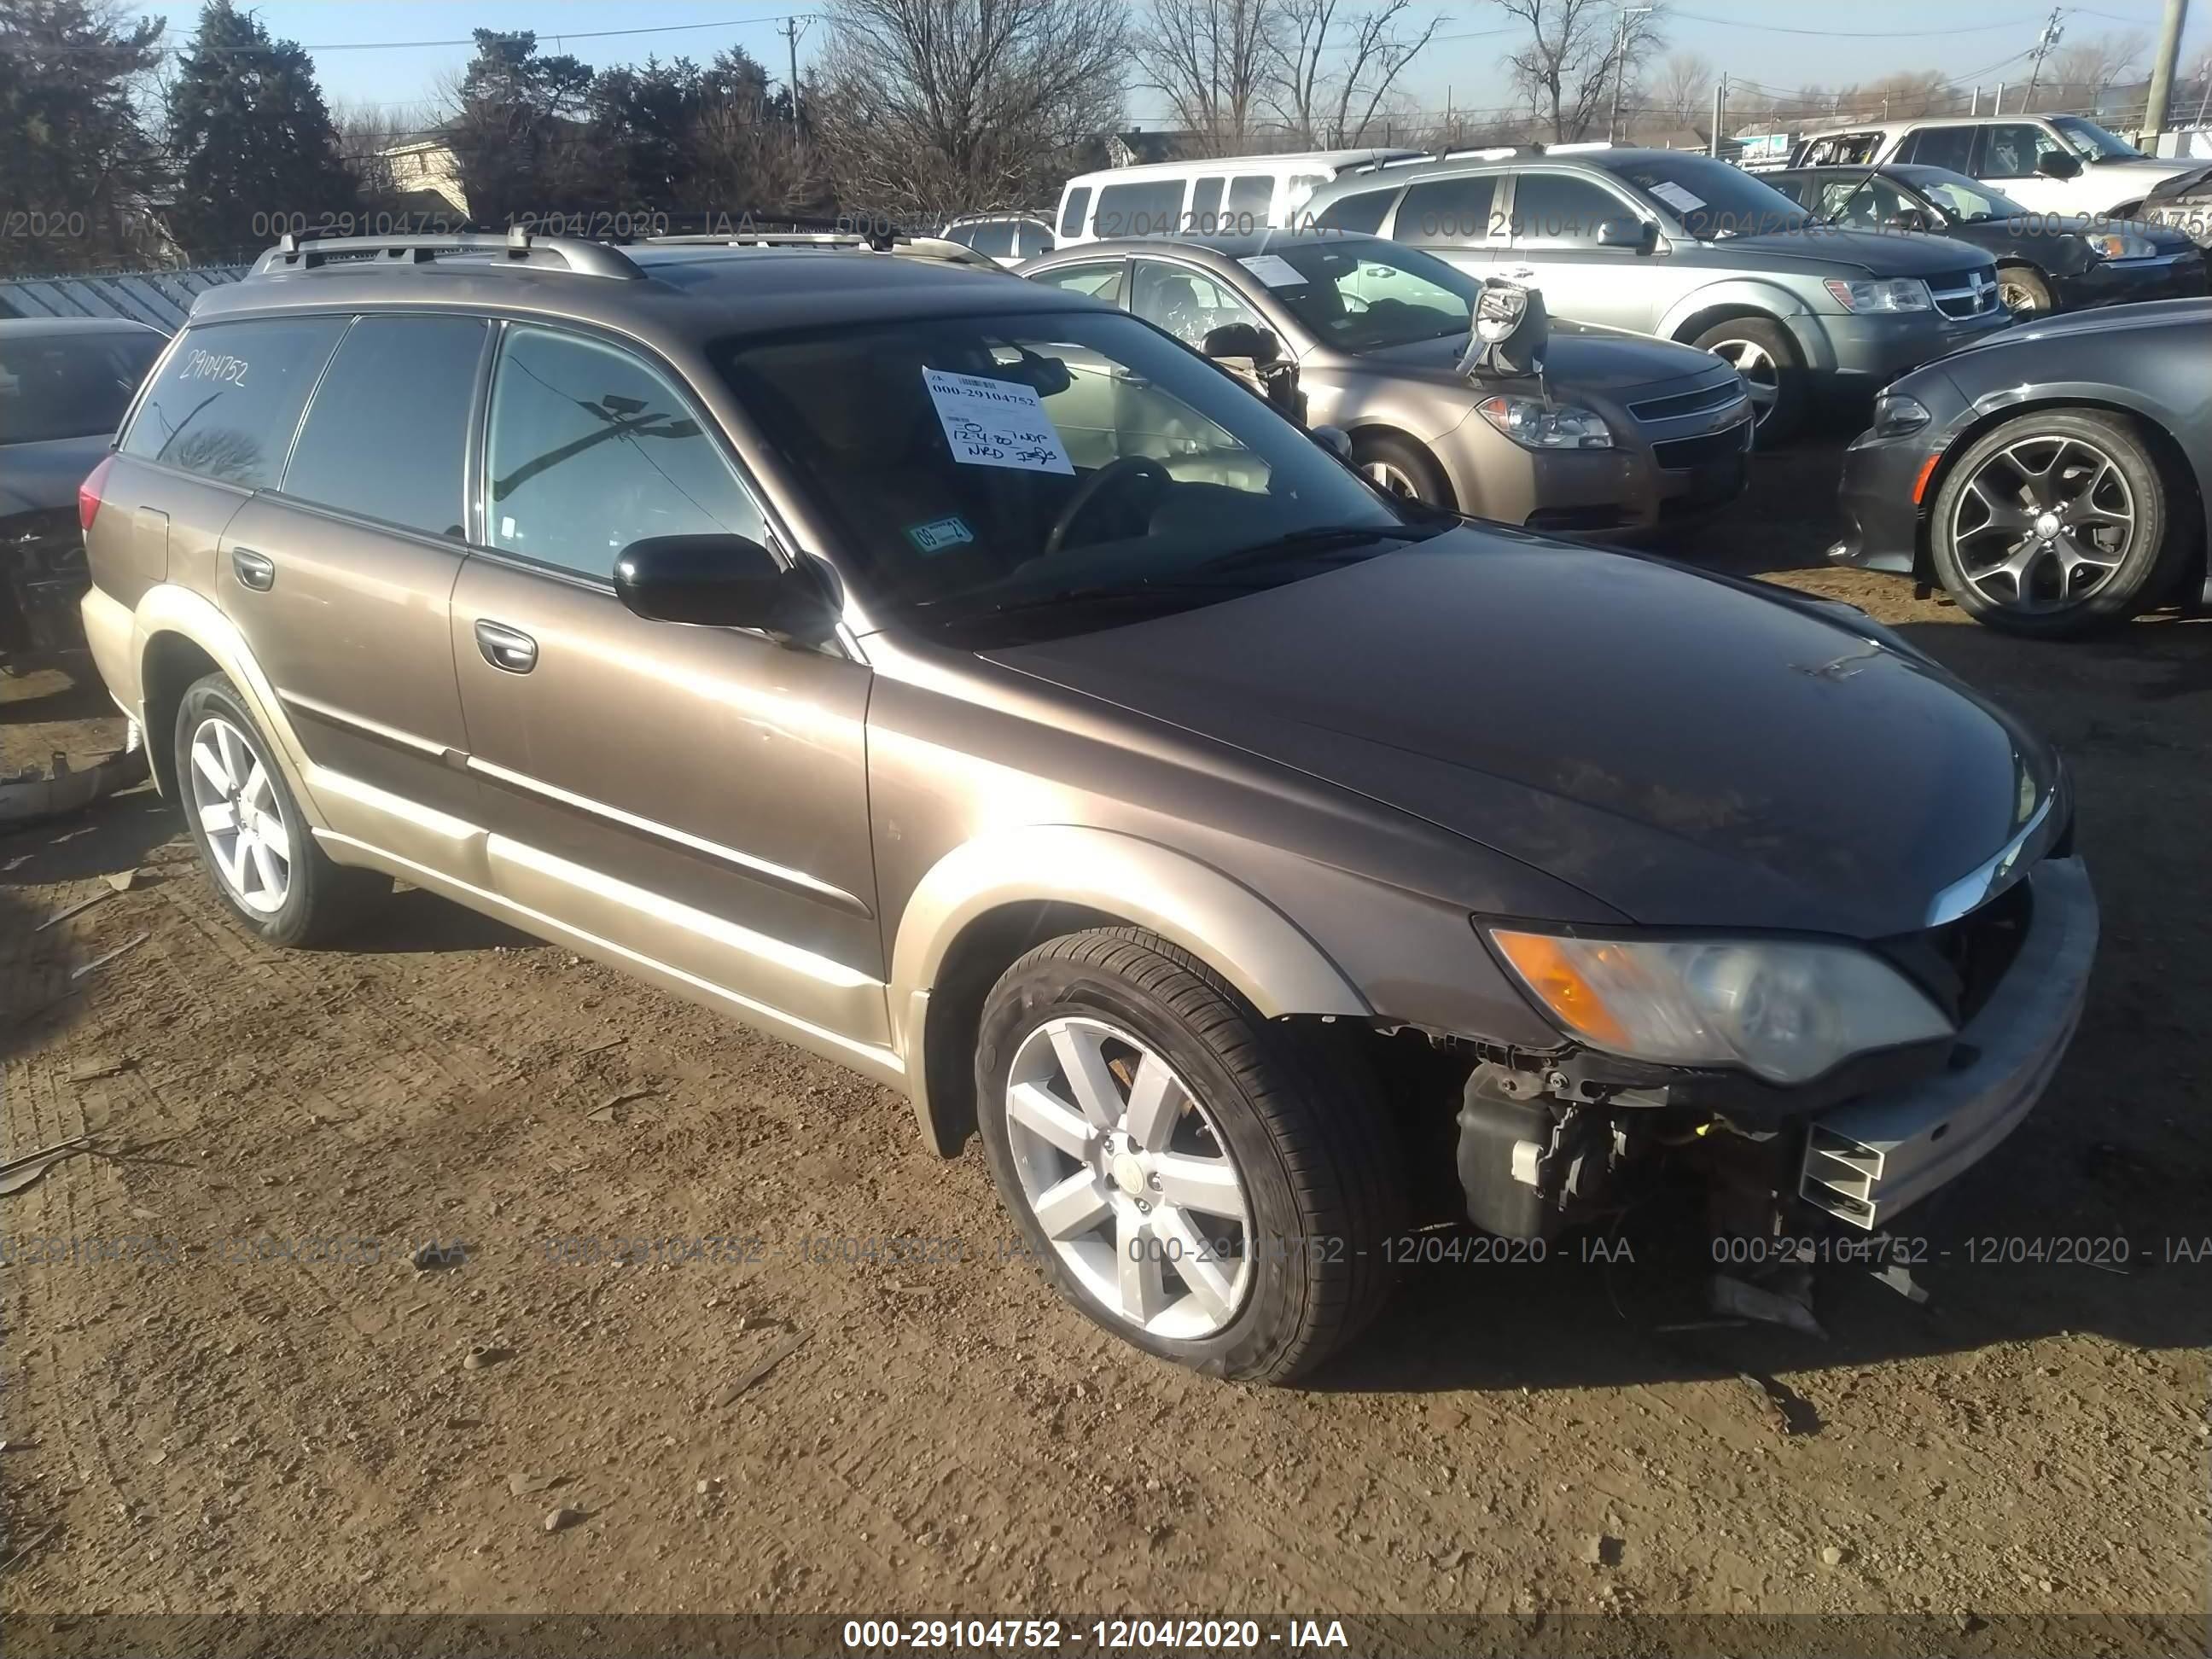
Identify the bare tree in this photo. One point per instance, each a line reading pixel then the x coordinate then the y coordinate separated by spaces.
pixel 927 107
pixel 1906 93
pixel 747 153
pixel 1336 64
pixel 2083 72
pixel 1575 49
pixel 1214 62
pixel 1684 89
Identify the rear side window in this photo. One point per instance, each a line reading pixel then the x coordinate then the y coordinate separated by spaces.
pixel 1362 211
pixel 229 396
pixel 1205 204
pixel 1071 212
pixel 1100 282
pixel 1447 209
pixel 1942 146
pixel 1250 199
pixel 388 431
pixel 1143 210
pixel 591 450
pixel 996 239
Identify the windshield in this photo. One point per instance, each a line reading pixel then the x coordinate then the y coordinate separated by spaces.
pixel 2093 142
pixel 1713 200
pixel 1045 464
pixel 70 386
pixel 1967 200
pixel 1361 295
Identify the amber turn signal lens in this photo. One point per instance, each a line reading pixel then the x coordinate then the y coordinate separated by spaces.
pixel 1547 971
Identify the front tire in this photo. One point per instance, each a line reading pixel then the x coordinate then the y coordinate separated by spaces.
pixel 1207 1185
pixel 1401 467
pixel 1762 352
pixel 252 838
pixel 2023 291
pixel 2057 523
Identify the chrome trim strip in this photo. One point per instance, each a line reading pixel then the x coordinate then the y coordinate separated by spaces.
pixel 779 874
pixel 321 710
pixel 548 927
pixel 1993 874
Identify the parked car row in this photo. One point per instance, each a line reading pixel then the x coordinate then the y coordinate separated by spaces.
pixel 953 674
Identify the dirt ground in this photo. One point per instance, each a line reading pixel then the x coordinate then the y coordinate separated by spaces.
pixel 262 1406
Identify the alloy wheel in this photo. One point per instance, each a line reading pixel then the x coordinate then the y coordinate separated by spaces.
pixel 1761 374
pixel 1129 1178
pixel 2044 523
pixel 2017 298
pixel 1392 477
pixel 235 799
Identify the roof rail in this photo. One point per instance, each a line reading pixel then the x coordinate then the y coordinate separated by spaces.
pixel 912 247
pixel 521 248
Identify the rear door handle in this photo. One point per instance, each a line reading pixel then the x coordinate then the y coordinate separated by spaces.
pixel 507 649
pixel 255 570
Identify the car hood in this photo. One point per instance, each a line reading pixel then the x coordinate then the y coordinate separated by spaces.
pixel 42 477
pixel 1873 253
pixel 2191 314
pixel 1683 747
pixel 2178 178
pixel 1575 355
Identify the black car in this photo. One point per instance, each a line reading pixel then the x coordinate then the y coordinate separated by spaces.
pixel 64 383
pixel 2051 479
pixel 2045 261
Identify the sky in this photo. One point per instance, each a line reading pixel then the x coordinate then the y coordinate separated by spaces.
pixel 1777 43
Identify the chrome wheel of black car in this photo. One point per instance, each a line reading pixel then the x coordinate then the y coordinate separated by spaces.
pixel 2056 522
pixel 2043 522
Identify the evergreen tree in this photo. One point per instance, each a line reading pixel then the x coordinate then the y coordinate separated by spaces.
pixel 255 145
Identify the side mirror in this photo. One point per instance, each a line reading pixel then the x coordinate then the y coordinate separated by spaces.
pixel 721 581
pixel 1640 235
pixel 1335 440
pixel 2057 164
pixel 1243 340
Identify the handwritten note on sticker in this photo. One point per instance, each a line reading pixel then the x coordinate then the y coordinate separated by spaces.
pixel 1275 270
pixel 996 423
pixel 1675 196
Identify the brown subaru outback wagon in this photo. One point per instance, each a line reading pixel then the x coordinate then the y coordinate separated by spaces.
pixel 964 680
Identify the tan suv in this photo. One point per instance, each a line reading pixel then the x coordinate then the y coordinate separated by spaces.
pixel 965 680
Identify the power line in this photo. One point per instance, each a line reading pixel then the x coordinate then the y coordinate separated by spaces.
pixel 1852 34
pixel 561 38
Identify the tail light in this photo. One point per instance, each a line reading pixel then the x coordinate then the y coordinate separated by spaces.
pixel 87 493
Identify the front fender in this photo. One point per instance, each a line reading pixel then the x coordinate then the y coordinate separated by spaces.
pixel 1249 943
pixel 1737 294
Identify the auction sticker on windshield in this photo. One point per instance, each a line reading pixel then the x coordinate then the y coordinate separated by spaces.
pixel 1675 196
pixel 1275 271
pixel 996 423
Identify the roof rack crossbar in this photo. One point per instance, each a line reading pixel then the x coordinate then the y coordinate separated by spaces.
pixel 919 248
pixel 568 253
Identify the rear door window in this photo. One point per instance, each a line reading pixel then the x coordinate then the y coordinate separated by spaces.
pixel 1250 200
pixel 1151 209
pixel 592 449
pixel 1940 146
pixel 1072 210
pixel 388 431
pixel 1362 210
pixel 1447 210
pixel 229 396
pixel 1205 203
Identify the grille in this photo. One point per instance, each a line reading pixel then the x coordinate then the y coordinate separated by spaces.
pixel 1964 293
pixel 1687 403
pixel 1684 452
pixel 1960 963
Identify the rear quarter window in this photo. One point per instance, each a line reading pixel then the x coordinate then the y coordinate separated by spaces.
pixel 1362 211
pixel 1139 210
pixel 226 401
pixel 1072 210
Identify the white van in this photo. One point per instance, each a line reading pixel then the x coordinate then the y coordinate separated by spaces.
pixel 1230 194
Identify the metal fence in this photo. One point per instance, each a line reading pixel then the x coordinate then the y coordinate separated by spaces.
pixel 160 297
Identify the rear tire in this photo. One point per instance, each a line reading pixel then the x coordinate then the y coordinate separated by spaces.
pixel 253 839
pixel 1763 353
pixel 1296 1127
pixel 2057 523
pixel 1403 468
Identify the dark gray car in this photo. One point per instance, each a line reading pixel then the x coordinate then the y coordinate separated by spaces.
pixel 960 678
pixel 1691 249
pixel 2052 481
pixel 1617 433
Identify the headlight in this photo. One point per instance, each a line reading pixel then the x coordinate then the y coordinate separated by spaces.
pixel 1785 1010
pixel 1535 424
pixel 1896 293
pixel 2120 245
pixel 1896 413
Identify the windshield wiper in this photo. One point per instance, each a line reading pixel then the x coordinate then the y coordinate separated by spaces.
pixel 1318 538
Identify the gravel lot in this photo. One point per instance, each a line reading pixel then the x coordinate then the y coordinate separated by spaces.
pixel 233 1429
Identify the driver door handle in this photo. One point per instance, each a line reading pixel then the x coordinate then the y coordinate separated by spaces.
pixel 508 649
pixel 255 570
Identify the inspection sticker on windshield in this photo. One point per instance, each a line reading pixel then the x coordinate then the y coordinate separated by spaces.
pixel 996 423
pixel 1675 196
pixel 1275 271
pixel 939 533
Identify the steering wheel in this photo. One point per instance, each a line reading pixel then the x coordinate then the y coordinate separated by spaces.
pixel 1110 475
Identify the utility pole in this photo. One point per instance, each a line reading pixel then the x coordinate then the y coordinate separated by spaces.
pixel 1720 114
pixel 790 31
pixel 1976 107
pixel 2162 68
pixel 1620 62
pixel 2043 42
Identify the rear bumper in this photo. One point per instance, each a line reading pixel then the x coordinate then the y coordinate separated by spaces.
pixel 1866 1161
